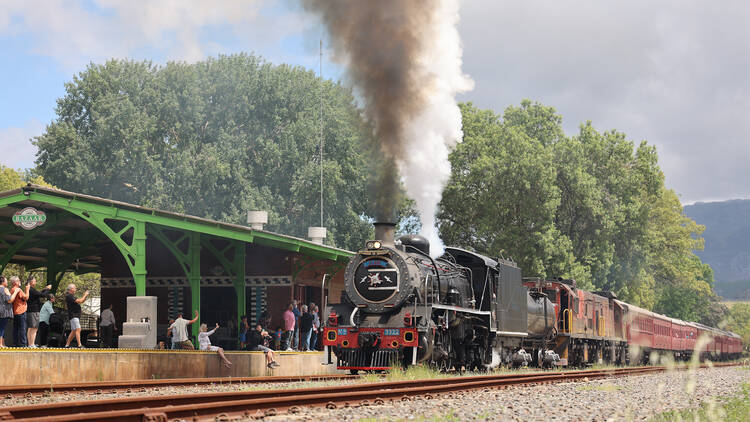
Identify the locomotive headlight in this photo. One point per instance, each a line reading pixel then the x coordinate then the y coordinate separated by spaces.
pixel 376 245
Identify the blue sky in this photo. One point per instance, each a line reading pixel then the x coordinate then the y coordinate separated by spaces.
pixel 674 73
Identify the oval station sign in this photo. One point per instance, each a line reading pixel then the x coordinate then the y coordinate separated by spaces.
pixel 29 218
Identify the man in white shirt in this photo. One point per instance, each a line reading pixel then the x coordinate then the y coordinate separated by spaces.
pixel 107 326
pixel 179 331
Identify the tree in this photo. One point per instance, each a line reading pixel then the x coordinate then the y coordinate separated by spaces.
pixel 592 207
pixel 214 139
pixel 683 283
pixel 13 179
pixel 501 198
pixel 738 321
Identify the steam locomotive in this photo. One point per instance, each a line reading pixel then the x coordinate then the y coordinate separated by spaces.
pixel 466 311
pixel 461 310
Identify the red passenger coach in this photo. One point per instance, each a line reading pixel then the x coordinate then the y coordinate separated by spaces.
pixel 662 332
pixel 679 335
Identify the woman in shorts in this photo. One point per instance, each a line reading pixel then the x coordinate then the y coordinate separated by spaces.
pixel 205 343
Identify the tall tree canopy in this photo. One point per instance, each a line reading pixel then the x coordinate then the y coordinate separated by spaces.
pixel 214 139
pixel 592 207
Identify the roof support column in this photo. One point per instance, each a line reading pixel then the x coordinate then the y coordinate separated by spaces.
pixel 139 268
pixel 239 281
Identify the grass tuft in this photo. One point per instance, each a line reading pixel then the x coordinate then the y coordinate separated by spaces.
pixel 419 372
pixel 733 409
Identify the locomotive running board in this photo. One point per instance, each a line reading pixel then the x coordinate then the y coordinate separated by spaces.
pixel 512 334
pixel 487 314
pixel 464 310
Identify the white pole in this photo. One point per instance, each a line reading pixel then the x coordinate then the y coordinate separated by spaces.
pixel 321 132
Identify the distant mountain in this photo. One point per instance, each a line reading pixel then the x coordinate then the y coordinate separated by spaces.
pixel 727 247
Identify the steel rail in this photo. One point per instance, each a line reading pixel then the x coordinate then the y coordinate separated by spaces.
pixel 272 401
pixel 135 385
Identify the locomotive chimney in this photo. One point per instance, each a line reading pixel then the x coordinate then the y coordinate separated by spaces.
pixel 384 232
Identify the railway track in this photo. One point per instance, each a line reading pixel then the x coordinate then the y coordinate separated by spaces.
pixel 269 402
pixel 9 391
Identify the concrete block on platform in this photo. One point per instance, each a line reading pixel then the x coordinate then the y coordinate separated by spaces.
pixel 131 342
pixel 136 328
pixel 45 366
pixel 140 321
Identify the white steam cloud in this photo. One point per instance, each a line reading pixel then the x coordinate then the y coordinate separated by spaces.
pixel 436 129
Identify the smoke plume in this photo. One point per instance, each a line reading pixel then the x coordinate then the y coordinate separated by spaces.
pixel 404 57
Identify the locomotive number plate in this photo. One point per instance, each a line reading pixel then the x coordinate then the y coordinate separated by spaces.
pixel 391 332
pixel 342 331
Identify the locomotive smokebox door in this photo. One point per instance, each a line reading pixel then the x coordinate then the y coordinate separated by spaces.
pixel 376 279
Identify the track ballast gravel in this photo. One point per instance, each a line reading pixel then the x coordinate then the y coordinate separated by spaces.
pixel 634 398
pixel 625 398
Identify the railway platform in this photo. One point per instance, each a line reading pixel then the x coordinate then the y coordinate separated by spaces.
pixel 50 366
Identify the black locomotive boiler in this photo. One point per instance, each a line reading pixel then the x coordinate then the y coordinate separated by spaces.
pixel 462 310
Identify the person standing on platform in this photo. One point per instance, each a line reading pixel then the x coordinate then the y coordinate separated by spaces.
pixel 179 332
pixel 6 307
pixel 244 328
pixel 170 336
pixel 205 343
pixel 44 315
pixel 19 312
pixel 305 326
pixel 74 313
pixel 297 314
pixel 34 306
pixel 277 336
pixel 255 341
pixel 289 324
pixel 316 326
pixel 107 326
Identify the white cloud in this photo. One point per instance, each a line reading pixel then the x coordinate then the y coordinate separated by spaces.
pixel 75 35
pixel 15 144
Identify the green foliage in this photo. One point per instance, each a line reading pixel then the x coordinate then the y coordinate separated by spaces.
pixel 214 139
pixel 738 321
pixel 13 179
pixel 501 198
pixel 592 207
